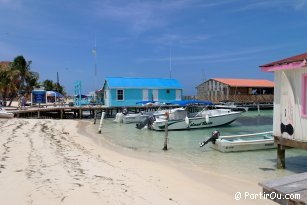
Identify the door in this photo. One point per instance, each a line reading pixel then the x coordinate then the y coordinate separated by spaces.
pixel 145 95
pixel 155 94
pixel 106 98
pixel 178 94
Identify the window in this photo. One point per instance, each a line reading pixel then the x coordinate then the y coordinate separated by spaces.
pixel 120 94
pixel 167 91
pixel 304 95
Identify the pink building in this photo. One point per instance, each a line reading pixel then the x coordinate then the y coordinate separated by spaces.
pixel 290 103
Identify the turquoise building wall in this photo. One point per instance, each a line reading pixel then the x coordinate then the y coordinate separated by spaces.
pixel 134 88
pixel 132 96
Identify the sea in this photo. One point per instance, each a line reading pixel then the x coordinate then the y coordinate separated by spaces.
pixel 184 149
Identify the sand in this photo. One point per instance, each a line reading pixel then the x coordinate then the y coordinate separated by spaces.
pixel 59 162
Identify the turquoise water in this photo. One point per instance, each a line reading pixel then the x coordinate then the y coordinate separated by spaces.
pixel 184 146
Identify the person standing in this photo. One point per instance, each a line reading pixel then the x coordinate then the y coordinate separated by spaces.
pixel 23 102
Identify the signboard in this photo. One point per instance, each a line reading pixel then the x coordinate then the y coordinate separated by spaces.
pixel 38 97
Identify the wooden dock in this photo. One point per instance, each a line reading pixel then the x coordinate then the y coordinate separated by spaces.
pixel 66 112
pixel 290 190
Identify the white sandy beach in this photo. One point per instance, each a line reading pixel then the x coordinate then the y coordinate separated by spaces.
pixel 59 162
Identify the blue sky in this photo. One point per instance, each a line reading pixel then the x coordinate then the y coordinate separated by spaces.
pixel 206 39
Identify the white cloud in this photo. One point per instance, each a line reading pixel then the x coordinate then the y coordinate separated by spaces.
pixel 144 15
pixel 271 4
pixel 177 39
pixel 217 57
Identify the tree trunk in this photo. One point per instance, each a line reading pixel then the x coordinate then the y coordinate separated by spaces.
pixel 11 99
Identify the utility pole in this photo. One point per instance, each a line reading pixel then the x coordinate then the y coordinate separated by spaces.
pixel 94 51
pixel 170 62
pixel 57 82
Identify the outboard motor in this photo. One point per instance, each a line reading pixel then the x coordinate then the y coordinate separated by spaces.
pixel 148 121
pixel 214 136
pixel 125 111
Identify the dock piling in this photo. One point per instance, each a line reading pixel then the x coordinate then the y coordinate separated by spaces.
pixel 95 116
pixel 101 121
pixel 281 162
pixel 258 108
pixel 166 132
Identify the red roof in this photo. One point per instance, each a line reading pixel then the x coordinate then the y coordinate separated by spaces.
pixel 4 64
pixel 292 59
pixel 246 82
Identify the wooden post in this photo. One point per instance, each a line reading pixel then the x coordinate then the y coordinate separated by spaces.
pixel 61 114
pixel 95 116
pixel 80 113
pixel 166 131
pixel 258 108
pixel 38 114
pixel 281 157
pixel 101 121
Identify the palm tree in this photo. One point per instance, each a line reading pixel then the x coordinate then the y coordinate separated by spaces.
pixel 17 78
pixel 8 84
pixel 23 67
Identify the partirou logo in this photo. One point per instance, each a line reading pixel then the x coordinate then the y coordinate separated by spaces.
pixel 264 195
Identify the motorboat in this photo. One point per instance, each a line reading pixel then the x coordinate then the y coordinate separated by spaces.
pixel 232 106
pixel 135 118
pixel 243 142
pixel 124 117
pixel 181 119
pixel 5 114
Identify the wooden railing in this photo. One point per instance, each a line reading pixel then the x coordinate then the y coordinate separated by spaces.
pixel 243 98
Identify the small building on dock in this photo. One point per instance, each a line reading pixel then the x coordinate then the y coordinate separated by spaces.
pixel 120 91
pixel 236 90
pixel 290 103
pixel 41 96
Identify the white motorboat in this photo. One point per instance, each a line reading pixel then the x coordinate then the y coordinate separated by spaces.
pixel 244 142
pixel 180 119
pixel 232 106
pixel 5 114
pixel 130 118
pixel 124 117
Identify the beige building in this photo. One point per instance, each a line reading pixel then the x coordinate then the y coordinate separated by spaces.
pixel 237 90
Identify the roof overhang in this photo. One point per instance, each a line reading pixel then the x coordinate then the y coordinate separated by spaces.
pixel 287 66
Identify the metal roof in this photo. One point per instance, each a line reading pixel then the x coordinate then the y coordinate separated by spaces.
pixel 54 93
pixel 245 82
pixel 292 59
pixel 121 82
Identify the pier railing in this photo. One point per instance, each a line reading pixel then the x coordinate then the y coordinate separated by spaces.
pixel 66 112
pixel 244 98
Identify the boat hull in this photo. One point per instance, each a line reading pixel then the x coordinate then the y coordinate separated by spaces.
pixel 134 118
pixel 196 122
pixel 228 146
pixel 5 115
pixel 245 142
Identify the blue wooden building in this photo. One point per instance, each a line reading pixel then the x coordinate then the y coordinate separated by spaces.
pixel 119 91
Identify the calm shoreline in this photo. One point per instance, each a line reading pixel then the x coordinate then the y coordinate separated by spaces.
pixel 57 162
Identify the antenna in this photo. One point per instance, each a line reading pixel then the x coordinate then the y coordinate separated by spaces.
pixel 170 62
pixel 203 75
pixel 94 51
pixel 57 81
